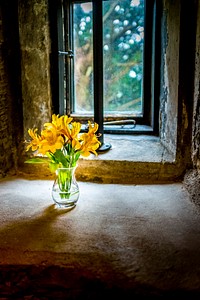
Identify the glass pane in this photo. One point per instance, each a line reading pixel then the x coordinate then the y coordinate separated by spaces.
pixel 123 42
pixel 83 58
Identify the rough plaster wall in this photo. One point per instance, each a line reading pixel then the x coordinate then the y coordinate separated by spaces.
pixel 169 74
pixel 35 64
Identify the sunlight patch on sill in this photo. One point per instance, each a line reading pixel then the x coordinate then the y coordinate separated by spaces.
pixel 138 148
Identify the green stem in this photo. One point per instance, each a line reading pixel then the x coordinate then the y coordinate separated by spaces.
pixel 65 177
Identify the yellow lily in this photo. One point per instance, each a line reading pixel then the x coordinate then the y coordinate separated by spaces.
pixel 51 140
pixel 62 141
pixel 59 122
pixel 71 131
pixel 36 139
pixel 90 144
pixel 92 128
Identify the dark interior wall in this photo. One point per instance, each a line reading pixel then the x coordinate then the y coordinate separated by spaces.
pixel 186 82
pixel 11 118
pixel 196 111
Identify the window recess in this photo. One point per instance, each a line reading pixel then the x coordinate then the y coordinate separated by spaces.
pixel 108 59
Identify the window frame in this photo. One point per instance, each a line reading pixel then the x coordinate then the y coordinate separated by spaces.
pixel 148 123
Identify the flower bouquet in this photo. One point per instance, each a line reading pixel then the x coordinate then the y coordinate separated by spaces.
pixel 60 144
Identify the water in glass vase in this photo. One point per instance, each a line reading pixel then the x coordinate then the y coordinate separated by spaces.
pixel 65 190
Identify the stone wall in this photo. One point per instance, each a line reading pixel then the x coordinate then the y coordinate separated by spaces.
pixel 177 78
pixel 169 74
pixel 35 62
pixel 192 177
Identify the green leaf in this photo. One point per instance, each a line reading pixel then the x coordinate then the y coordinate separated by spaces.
pixel 53 167
pixel 77 155
pixel 36 160
pixel 61 158
pixel 52 157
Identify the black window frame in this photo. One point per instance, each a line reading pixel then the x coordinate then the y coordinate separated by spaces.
pixel 149 123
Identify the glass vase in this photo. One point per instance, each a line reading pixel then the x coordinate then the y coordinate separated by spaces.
pixel 65 190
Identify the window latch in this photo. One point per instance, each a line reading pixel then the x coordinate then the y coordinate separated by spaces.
pixel 68 53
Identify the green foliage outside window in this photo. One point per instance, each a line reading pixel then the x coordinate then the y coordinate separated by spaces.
pixel 123 41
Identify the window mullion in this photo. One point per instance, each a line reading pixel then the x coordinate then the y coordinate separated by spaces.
pixel 148 67
pixel 98 70
pixel 61 65
pixel 156 65
pixel 98 64
pixel 69 59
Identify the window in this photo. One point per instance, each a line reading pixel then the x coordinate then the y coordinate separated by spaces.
pixel 109 63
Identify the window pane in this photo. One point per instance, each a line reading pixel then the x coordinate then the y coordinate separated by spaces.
pixel 83 58
pixel 123 40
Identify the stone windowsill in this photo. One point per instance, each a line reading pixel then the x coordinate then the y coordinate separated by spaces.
pixel 131 159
